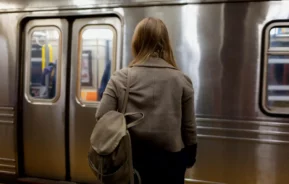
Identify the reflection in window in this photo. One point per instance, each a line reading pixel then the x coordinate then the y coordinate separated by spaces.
pixel 96 58
pixel 43 58
pixel 278 68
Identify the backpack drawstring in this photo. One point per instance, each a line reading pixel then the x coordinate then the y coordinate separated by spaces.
pixel 100 170
pixel 138 176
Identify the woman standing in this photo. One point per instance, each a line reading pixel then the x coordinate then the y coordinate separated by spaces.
pixel 164 145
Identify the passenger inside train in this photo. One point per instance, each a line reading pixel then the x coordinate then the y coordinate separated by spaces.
pixel 48 81
pixel 104 80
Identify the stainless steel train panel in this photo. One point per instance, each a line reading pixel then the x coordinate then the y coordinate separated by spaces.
pixel 7 140
pixel 14 5
pixel 82 113
pixel 8 94
pixel 43 119
pixel 238 151
pixel 234 161
pixel 4 65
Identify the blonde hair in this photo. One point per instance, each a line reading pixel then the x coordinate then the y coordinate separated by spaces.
pixel 151 39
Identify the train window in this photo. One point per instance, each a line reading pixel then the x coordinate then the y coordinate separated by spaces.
pixel 44 57
pixel 96 60
pixel 276 87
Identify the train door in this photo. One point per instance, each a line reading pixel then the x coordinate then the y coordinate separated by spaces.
pixel 95 54
pixel 58 111
pixel 44 91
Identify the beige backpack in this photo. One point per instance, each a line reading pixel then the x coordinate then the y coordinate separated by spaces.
pixel 110 154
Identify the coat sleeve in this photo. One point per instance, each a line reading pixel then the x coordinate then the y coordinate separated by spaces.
pixel 188 115
pixel 189 131
pixel 109 99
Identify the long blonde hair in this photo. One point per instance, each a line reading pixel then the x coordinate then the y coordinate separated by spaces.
pixel 151 39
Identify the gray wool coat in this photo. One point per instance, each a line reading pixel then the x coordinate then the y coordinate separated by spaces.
pixel 164 94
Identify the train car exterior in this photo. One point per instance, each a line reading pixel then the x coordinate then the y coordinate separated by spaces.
pixel 55 54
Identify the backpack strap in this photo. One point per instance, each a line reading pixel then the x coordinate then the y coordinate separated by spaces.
pixel 126 92
pixel 136 122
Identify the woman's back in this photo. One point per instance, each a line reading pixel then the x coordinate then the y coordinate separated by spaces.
pixel 158 90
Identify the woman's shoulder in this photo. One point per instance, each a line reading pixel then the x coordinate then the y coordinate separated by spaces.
pixel 119 77
pixel 188 80
pixel 121 73
pixel 184 78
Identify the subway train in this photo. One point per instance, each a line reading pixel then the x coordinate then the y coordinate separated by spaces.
pixel 56 57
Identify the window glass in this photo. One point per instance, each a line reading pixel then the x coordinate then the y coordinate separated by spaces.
pixel 279 38
pixel 96 61
pixel 278 81
pixel 43 62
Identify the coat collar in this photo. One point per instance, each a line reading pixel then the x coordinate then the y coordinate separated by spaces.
pixel 154 62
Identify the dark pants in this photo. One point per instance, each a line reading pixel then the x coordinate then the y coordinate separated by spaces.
pixel 157 166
